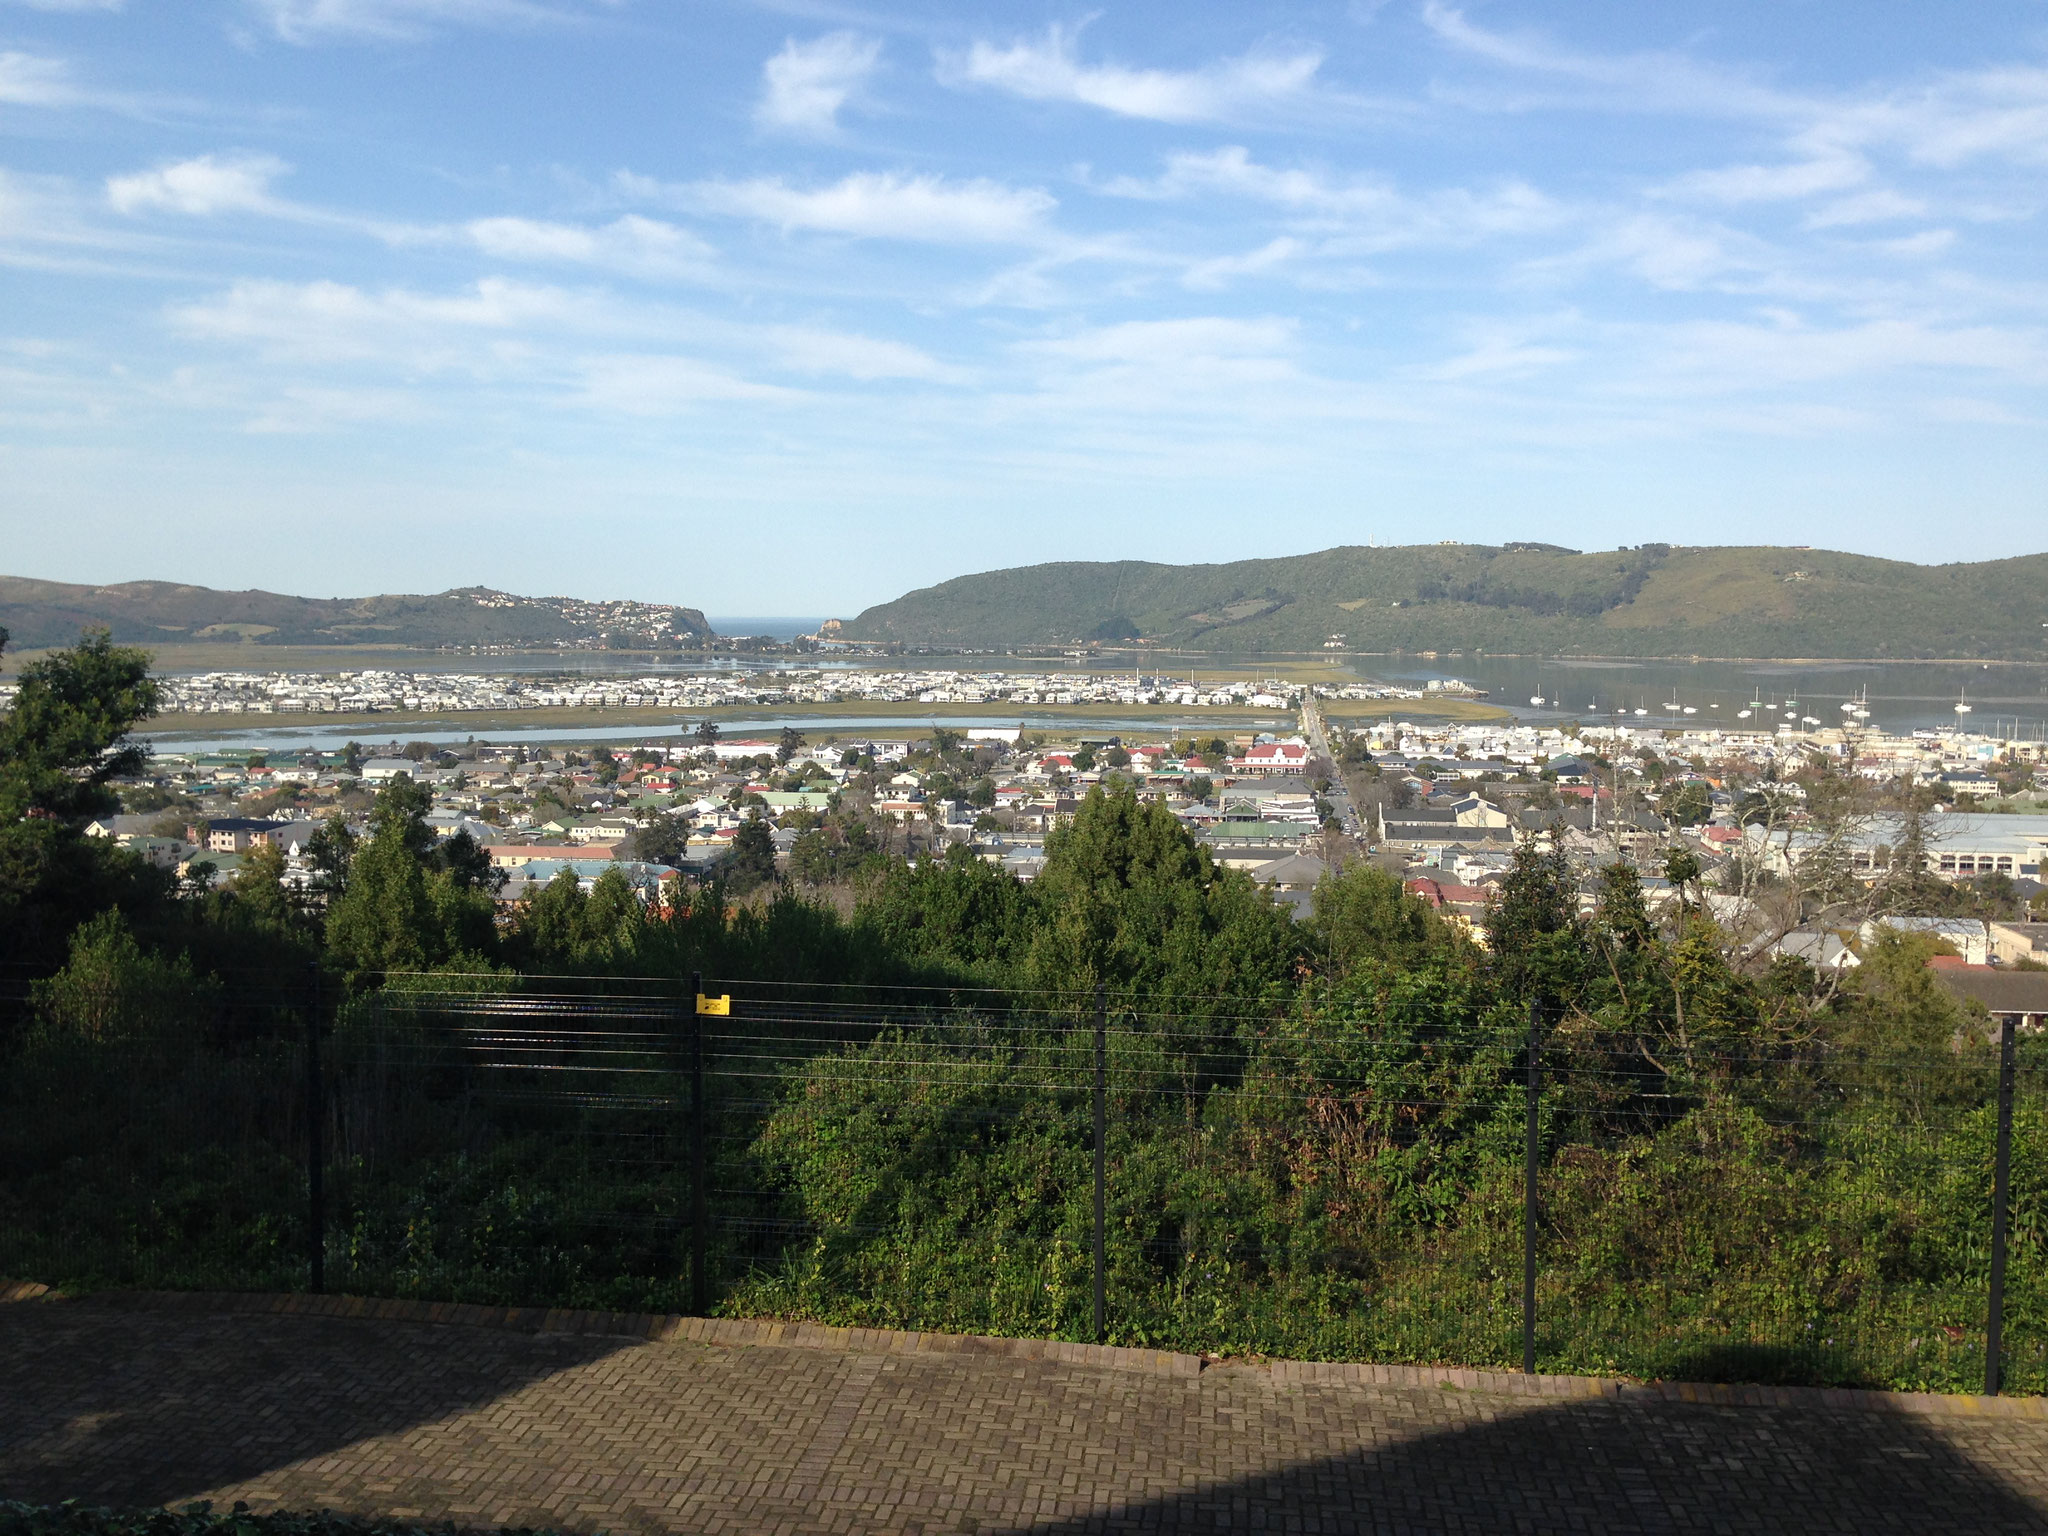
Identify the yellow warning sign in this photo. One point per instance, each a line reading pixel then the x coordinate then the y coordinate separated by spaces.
pixel 714 1004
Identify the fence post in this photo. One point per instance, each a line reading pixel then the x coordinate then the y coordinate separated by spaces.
pixel 316 1149
pixel 1101 1117
pixel 1530 1159
pixel 700 1290
pixel 2001 1177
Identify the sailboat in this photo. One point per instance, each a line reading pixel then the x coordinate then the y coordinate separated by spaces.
pixel 1755 706
pixel 1962 708
pixel 1642 706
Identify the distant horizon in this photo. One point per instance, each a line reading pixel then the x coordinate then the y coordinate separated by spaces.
pixel 785 626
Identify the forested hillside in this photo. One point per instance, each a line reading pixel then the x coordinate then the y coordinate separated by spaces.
pixel 45 613
pixel 1653 600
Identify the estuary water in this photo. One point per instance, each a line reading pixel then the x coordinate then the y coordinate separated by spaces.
pixel 2004 699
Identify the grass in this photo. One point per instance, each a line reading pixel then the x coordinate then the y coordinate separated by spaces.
pixel 1411 709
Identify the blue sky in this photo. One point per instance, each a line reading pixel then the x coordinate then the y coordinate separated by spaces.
pixel 789 308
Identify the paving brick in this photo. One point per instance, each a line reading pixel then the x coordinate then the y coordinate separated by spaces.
pixel 629 1424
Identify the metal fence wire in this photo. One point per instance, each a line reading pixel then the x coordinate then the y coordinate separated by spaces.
pixel 1192 1173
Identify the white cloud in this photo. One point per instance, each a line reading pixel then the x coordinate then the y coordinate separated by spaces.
pixel 1876 207
pixel 1158 343
pixel 1669 253
pixel 1929 242
pixel 1736 355
pixel 1997 112
pixel 639 384
pixel 337 321
pixel 1660 82
pixel 886 206
pixel 1371 213
pixel 303 408
pixel 306 21
pixel 1219 271
pixel 639 246
pixel 207 184
pixel 804 86
pixel 31 80
pixel 1048 70
pixel 1504 351
pixel 854 357
pixel 1772 183
pixel 70 5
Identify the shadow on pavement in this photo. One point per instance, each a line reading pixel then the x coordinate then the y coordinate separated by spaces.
pixel 1630 1466
pixel 141 1408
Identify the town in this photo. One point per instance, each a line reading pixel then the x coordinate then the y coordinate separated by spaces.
pixel 372 691
pixel 1699 811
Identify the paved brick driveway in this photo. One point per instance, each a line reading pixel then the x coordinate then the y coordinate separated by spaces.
pixel 488 1426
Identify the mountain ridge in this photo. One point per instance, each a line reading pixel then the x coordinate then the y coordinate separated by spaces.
pixel 1526 598
pixel 42 613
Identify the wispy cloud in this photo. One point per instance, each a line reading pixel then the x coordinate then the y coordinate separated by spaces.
pixel 804 350
pixel 207 184
pixel 882 205
pixel 635 245
pixel 1662 81
pixel 1220 271
pixel 1878 207
pixel 1049 69
pixel 1794 181
pixel 642 384
pixel 32 80
pixel 1370 211
pixel 339 321
pixel 804 86
pixel 309 21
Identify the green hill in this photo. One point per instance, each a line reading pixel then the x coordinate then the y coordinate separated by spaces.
pixel 1654 600
pixel 39 613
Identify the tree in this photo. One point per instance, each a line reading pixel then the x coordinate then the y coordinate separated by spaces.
pixel 1365 914
pixel 752 861
pixel 1084 760
pixel 1682 869
pixel 1690 805
pixel 789 744
pixel 257 892
pixel 707 733
pixel 982 794
pixel 352 758
pixel 1129 898
pixel 1116 757
pixel 330 851
pixel 61 743
pixel 659 840
pixel 402 909
pixel 67 733
pixel 111 988
pixel 1201 787
pixel 810 858
pixel 1533 926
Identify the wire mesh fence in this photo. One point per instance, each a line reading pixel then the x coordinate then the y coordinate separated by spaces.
pixel 1278 1177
